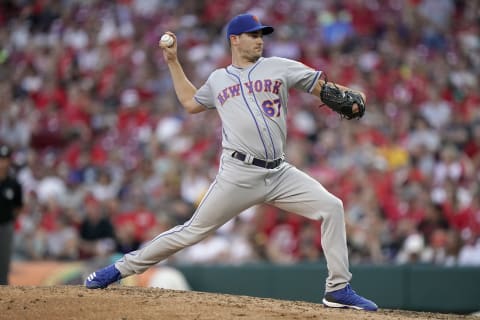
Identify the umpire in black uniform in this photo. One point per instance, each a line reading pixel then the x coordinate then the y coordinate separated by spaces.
pixel 11 201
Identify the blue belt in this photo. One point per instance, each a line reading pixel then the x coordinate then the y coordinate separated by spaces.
pixel 258 162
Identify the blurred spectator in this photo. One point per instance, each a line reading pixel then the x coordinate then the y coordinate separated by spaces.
pixel 432 220
pixel 309 243
pixel 105 187
pixel 470 253
pixel 443 248
pixel 412 249
pixel 62 243
pixel 50 187
pixel 138 219
pixel 126 238
pixel 436 111
pixel 282 242
pixel 96 232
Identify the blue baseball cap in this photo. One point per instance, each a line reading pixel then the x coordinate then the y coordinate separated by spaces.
pixel 244 23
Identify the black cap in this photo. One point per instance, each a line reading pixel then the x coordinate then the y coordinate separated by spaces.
pixel 5 151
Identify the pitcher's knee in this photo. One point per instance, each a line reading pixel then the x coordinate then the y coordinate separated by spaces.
pixel 337 205
pixel 334 208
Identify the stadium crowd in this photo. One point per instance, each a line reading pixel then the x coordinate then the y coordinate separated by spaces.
pixel 107 157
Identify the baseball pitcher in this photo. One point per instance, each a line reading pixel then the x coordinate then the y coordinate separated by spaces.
pixel 251 98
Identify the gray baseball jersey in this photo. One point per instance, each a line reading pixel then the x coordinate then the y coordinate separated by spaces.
pixel 252 104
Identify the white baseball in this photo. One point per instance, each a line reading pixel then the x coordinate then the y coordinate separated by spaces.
pixel 166 40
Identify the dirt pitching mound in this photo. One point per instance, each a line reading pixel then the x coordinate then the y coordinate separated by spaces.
pixel 119 302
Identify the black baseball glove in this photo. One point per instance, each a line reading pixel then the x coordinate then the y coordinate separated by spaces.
pixel 342 102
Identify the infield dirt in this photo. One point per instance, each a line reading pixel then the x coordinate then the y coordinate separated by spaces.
pixel 125 303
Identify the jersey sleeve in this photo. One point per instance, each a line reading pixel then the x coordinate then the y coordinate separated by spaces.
pixel 204 95
pixel 300 76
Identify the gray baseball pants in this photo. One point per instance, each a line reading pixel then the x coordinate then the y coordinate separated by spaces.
pixel 239 186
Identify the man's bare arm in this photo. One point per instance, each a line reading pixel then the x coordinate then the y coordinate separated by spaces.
pixel 184 89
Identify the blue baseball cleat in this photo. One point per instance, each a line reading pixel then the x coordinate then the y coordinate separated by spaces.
pixel 103 278
pixel 347 298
